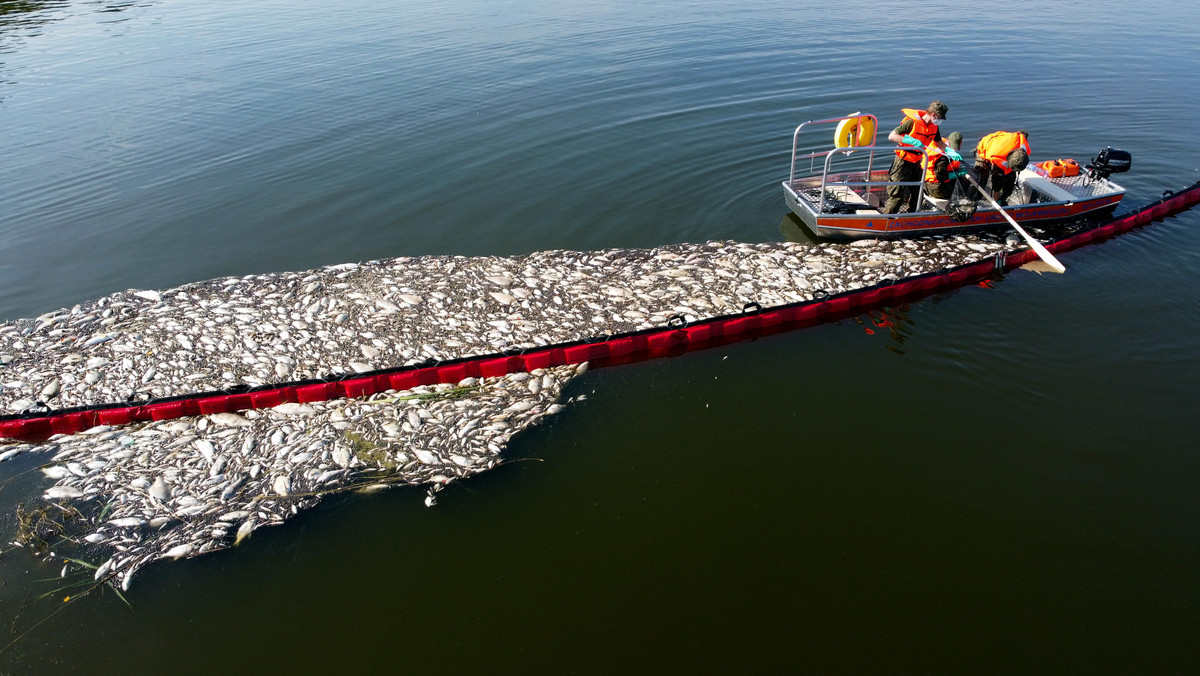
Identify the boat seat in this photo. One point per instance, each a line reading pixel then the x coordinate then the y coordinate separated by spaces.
pixel 939 204
pixel 847 195
pixel 1046 187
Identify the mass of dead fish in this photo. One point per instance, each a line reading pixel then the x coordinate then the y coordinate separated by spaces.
pixel 343 319
pixel 180 488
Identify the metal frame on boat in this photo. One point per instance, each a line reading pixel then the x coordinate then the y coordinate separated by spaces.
pixel 842 191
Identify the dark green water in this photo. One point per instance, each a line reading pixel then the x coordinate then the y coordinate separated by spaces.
pixel 1004 483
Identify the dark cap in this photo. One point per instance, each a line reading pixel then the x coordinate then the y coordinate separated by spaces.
pixel 1017 159
pixel 938 108
pixel 954 139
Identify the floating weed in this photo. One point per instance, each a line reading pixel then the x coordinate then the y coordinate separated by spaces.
pixel 119 595
pixel 371 453
pixel 452 393
pixel 85 564
pixel 85 583
pixel 38 525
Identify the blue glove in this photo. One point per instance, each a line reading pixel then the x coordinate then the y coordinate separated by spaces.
pixel 953 154
pixel 908 140
pixel 957 173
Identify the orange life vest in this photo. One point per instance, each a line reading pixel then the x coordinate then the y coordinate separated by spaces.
pixel 996 146
pixel 922 131
pixel 930 170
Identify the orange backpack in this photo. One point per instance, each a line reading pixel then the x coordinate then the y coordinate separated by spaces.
pixel 1059 168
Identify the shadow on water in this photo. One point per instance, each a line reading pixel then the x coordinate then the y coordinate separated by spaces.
pixel 794 230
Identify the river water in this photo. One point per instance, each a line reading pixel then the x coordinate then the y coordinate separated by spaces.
pixel 995 479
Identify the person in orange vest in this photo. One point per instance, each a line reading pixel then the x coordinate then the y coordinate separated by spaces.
pixel 999 156
pixel 918 129
pixel 944 168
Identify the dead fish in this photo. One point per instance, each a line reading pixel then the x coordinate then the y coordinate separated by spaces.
pixel 229 420
pixel 206 449
pixel 159 490
pixel 178 551
pixel 56 471
pixel 62 493
pixel 243 532
pixel 232 488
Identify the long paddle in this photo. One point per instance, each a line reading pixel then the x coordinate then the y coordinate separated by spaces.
pixel 1033 243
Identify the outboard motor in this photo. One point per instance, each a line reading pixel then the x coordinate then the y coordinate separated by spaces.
pixel 1109 161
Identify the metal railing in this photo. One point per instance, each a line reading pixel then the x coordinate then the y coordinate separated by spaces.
pixel 920 183
pixel 827 155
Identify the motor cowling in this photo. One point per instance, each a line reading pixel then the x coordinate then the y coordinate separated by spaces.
pixel 1109 161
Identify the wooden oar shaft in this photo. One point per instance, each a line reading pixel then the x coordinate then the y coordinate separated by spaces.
pixel 1033 243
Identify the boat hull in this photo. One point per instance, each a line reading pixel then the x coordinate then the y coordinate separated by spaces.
pixel 877 225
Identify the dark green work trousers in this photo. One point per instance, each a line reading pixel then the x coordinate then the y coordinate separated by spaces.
pixel 899 195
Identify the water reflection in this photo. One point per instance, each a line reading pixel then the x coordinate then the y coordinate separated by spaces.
pixel 24 13
pixel 893 322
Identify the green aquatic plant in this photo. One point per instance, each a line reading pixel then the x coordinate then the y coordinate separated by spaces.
pixel 83 580
pixel 452 393
pixel 371 453
pixel 42 524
